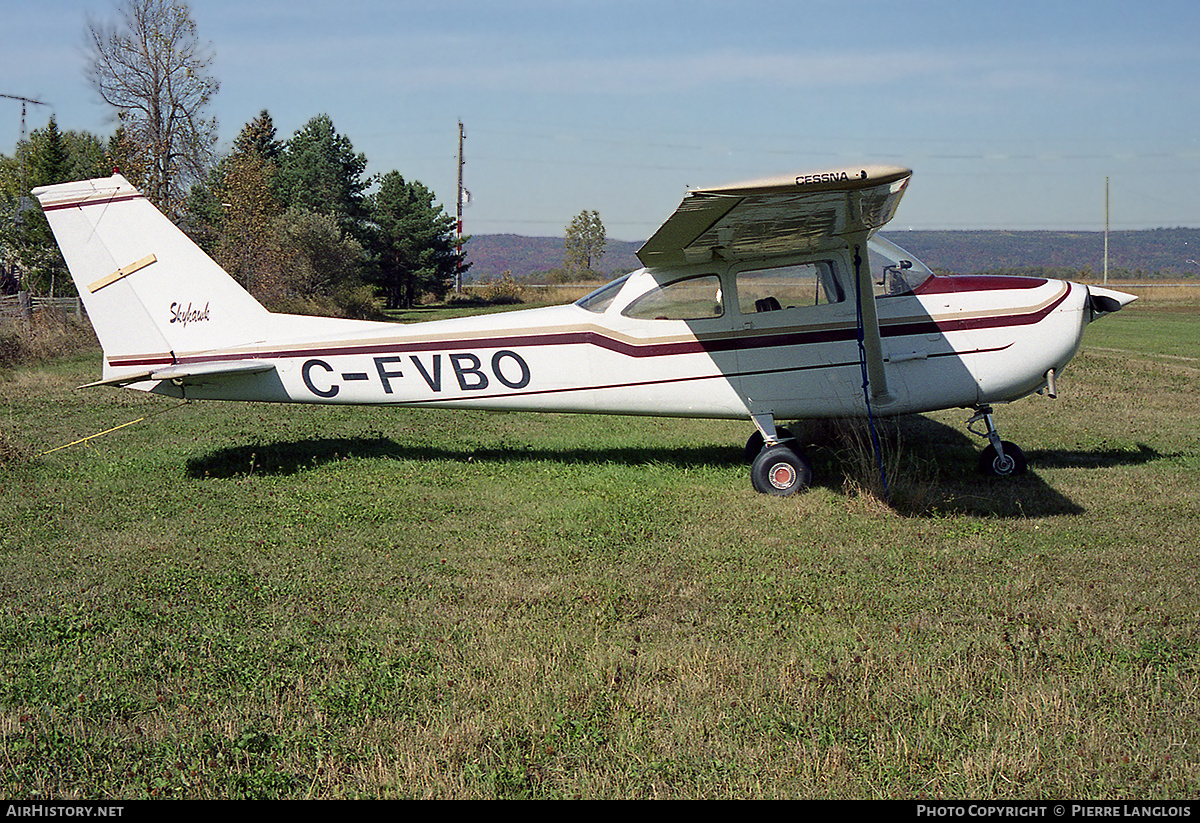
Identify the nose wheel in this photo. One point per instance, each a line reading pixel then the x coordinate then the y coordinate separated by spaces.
pixel 1000 458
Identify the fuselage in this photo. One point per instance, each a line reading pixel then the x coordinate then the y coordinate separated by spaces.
pixel 714 350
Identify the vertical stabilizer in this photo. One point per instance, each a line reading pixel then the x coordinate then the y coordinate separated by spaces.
pixel 150 292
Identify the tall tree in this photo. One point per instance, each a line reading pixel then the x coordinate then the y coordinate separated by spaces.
pixel 585 242
pixel 414 242
pixel 231 214
pixel 258 137
pixel 246 245
pixel 48 156
pixel 48 161
pixel 320 171
pixel 153 69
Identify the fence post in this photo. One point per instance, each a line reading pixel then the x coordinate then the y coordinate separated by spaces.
pixel 24 304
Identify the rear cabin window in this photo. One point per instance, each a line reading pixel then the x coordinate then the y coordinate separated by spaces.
pixel 788 287
pixel 693 298
pixel 602 298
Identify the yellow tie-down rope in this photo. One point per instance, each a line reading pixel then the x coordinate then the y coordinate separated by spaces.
pixel 113 429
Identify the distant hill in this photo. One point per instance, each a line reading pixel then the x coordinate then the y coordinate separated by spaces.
pixel 1151 252
pixel 1147 253
pixel 491 255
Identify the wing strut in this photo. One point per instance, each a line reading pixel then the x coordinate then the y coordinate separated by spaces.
pixel 875 377
pixel 870 347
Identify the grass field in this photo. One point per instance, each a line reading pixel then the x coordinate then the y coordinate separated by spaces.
pixel 254 601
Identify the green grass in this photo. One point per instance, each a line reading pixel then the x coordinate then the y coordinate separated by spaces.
pixel 282 601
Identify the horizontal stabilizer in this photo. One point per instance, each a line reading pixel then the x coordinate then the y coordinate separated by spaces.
pixel 189 373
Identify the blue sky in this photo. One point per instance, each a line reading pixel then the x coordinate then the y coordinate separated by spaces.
pixel 1011 114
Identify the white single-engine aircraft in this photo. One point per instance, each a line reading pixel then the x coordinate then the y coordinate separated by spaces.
pixel 763 301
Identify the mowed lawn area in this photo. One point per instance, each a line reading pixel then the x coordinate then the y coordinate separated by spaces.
pixel 256 601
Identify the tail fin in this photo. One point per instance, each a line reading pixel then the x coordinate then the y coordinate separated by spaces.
pixel 152 294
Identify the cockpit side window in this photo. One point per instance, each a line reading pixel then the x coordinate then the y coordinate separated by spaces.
pixel 788 287
pixel 692 298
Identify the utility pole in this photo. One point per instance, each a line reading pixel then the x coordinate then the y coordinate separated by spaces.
pixel 1106 231
pixel 462 136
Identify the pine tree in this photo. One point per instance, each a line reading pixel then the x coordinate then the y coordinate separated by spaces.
pixel 414 242
pixel 319 170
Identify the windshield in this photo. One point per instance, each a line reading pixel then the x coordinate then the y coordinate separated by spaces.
pixel 601 298
pixel 894 270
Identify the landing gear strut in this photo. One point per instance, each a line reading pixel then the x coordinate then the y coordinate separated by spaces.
pixel 1001 458
pixel 777 467
pixel 756 442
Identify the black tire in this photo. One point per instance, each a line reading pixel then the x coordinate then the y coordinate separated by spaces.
pixel 780 471
pixel 1012 465
pixel 755 444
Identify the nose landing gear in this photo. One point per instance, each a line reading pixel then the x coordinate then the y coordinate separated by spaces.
pixel 1000 458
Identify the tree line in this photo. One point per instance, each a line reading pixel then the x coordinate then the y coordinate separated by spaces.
pixel 298 222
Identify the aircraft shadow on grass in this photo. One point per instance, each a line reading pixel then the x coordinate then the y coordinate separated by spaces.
pixel 935 473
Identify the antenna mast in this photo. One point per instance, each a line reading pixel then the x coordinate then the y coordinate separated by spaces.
pixel 25 103
pixel 23 203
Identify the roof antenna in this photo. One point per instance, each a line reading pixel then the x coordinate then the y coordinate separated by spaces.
pixel 23 203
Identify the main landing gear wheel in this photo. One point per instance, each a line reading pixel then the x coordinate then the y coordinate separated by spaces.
pixel 780 471
pixel 756 442
pixel 1009 464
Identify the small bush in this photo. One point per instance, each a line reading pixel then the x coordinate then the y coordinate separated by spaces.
pixel 49 333
pixel 891 475
pixel 504 291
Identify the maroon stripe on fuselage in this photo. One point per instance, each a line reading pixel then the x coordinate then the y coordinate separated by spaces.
pixel 733 342
pixel 955 283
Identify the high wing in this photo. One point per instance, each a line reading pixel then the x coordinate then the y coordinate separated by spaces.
pixel 777 216
pixel 782 216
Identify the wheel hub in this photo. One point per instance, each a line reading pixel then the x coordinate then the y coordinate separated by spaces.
pixel 782 476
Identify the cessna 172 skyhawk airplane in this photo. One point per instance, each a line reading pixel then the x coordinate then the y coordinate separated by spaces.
pixel 762 301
